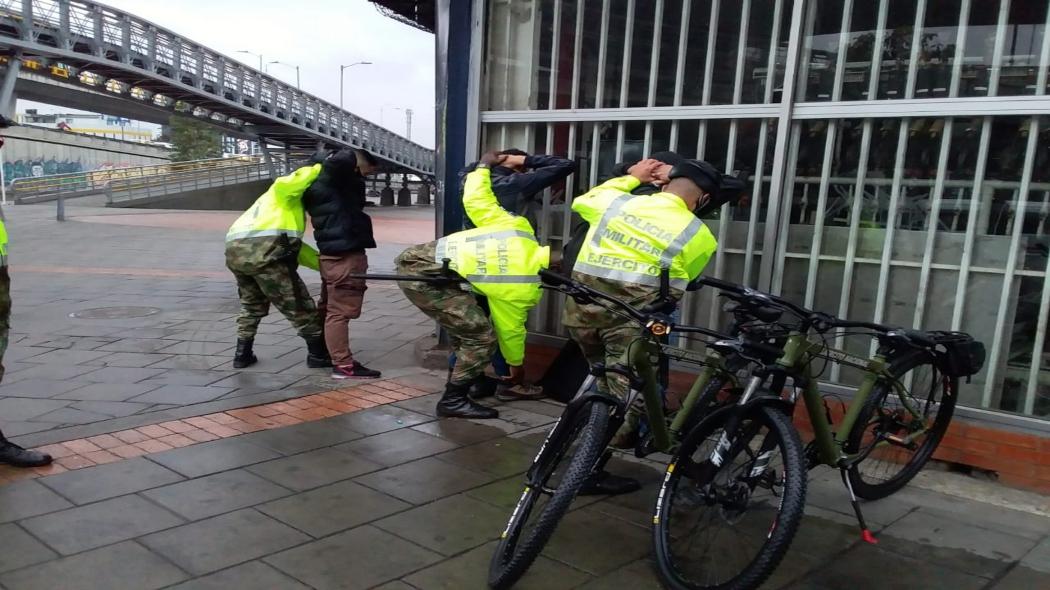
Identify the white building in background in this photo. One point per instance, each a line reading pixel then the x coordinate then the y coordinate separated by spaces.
pixel 108 126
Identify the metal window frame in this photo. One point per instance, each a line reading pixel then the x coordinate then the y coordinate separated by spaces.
pixel 789 113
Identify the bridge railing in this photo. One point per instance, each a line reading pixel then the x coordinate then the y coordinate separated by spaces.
pixel 151 64
pixel 85 183
pixel 148 187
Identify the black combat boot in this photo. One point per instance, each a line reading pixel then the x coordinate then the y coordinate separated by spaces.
pixel 483 387
pixel 16 456
pixel 244 357
pixel 455 403
pixel 317 353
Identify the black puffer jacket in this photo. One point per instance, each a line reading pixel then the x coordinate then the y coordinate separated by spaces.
pixel 336 204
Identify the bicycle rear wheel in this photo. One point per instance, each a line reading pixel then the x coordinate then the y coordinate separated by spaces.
pixel 562 467
pixel 727 526
pixel 900 426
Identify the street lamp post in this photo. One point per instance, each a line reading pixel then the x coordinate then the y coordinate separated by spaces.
pixel 289 66
pixel 341 69
pixel 258 55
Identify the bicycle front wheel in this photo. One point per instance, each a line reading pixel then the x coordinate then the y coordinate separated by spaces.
pixel 562 467
pixel 725 520
pixel 900 426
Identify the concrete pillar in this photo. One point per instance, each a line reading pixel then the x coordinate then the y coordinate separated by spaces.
pixel 423 194
pixel 404 197
pixel 386 197
pixel 7 87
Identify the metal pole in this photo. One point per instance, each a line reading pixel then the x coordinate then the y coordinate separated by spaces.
pixel 341 70
pixel 3 180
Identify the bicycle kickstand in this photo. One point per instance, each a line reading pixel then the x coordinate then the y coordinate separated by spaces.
pixel 865 533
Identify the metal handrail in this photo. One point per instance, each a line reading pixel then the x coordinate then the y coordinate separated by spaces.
pixel 96 180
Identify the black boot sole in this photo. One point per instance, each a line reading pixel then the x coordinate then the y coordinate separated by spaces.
pixel 446 414
pixel 244 364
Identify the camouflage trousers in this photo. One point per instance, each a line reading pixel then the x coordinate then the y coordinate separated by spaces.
pixel 467 324
pixel 607 346
pixel 276 282
pixel 5 316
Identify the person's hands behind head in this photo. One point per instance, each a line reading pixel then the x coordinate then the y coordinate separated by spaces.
pixel 661 175
pixel 645 170
pixel 491 159
pixel 513 161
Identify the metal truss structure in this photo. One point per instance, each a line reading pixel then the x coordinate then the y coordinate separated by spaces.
pixel 106 50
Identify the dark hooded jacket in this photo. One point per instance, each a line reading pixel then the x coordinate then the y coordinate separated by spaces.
pixel 518 192
pixel 336 204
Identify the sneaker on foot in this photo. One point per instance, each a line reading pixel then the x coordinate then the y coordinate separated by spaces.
pixel 354 371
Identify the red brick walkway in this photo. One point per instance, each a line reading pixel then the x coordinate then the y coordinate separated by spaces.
pixel 164 436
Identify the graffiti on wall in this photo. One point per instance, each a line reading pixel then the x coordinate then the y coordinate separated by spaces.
pixel 33 168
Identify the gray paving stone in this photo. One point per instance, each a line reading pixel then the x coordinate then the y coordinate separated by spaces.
pixel 187 377
pixel 112 409
pixel 931 527
pixel 398 446
pixel 216 543
pixel 1013 522
pixel 92 484
pixel 139 345
pixel 190 362
pixel 868 566
pixel 38 388
pixel 205 348
pixel 449 526
pixel 19 408
pixel 637 575
pixel 215 494
pixel 303 437
pixel 501 457
pixel 23 499
pixel 1039 557
pixel 182 395
pixel 333 508
pixel 110 521
pixel 424 480
pixel 379 419
pixel 123 566
pixel 109 392
pixel 214 456
pixel 574 541
pixel 71 416
pixel 132 360
pixel 314 469
pixel 462 432
pixel 1023 578
pixel 324 564
pixel 248 379
pixel 470 571
pixel 21 549
pixel 53 372
pixel 69 357
pixel 120 375
pixel 251 575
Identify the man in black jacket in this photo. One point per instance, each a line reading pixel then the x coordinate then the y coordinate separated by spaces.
pixel 518 187
pixel 343 231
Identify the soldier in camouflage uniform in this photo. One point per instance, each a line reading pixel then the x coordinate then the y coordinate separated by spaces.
pixel 264 248
pixel 10 453
pixel 629 240
pixel 500 260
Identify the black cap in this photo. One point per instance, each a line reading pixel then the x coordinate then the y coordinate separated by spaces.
pixel 721 188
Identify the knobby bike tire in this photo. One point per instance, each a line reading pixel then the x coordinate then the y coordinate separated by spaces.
pixel 883 390
pixel 792 503
pixel 514 554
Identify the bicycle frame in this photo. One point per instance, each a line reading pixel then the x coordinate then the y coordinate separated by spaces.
pixel 798 356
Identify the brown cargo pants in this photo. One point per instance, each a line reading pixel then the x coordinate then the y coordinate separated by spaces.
pixel 341 300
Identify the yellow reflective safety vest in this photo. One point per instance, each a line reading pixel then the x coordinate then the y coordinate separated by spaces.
pixel 279 211
pixel 500 259
pixel 632 237
pixel 3 240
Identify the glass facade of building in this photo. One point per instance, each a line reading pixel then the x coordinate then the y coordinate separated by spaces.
pixel 898 151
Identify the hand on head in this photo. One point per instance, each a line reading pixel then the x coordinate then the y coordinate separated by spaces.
pixel 491 159
pixel 646 170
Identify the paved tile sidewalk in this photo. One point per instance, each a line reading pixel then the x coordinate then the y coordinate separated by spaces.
pixel 392 497
pixel 124 318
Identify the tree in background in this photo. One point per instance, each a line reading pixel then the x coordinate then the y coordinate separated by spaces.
pixel 193 139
